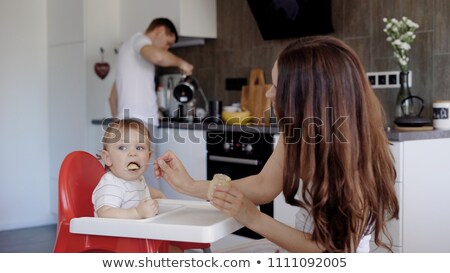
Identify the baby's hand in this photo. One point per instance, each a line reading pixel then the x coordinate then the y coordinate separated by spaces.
pixel 147 208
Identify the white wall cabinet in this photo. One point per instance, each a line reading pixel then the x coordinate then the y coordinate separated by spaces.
pixel 76 31
pixel 65 22
pixel 190 148
pixel 192 18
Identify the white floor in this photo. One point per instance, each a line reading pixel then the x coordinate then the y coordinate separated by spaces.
pixel 238 244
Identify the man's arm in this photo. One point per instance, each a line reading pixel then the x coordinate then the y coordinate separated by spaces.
pixel 165 58
pixel 113 100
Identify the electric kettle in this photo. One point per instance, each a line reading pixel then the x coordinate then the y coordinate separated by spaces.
pixel 184 91
pixel 413 117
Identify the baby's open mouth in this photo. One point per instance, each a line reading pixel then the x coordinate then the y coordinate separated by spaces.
pixel 132 166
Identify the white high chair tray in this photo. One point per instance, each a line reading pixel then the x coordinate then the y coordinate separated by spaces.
pixel 178 220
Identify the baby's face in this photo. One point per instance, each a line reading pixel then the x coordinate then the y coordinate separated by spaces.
pixel 129 157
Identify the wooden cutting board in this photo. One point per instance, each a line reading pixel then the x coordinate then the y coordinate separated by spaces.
pixel 413 129
pixel 253 97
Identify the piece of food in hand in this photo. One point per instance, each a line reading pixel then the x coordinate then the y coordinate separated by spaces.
pixel 218 180
pixel 133 166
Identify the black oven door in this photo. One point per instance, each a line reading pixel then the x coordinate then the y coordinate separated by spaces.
pixel 236 168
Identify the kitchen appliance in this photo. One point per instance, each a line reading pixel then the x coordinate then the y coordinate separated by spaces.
pixel 185 89
pixel 239 154
pixel 180 95
pixel 413 118
pixel 215 111
pixel 184 93
pixel 290 19
pixel 166 102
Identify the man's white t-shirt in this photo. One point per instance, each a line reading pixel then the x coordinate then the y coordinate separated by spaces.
pixel 119 193
pixel 135 82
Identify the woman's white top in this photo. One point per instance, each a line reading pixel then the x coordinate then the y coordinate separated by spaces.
pixel 306 224
pixel 119 193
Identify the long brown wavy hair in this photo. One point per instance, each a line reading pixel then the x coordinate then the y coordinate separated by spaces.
pixel 336 148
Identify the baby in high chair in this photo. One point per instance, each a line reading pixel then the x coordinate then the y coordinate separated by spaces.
pixel 122 192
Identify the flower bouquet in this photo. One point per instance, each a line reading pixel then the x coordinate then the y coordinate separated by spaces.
pixel 400 34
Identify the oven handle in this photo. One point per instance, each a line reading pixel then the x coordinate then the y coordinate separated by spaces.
pixel 236 160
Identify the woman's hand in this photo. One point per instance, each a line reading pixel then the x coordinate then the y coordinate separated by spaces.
pixel 170 168
pixel 147 208
pixel 232 202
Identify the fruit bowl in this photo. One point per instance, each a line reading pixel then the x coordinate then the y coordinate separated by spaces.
pixel 237 118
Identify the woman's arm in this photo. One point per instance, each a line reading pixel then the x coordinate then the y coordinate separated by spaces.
pixel 260 189
pixel 265 186
pixel 234 203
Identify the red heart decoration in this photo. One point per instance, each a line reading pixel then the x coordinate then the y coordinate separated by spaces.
pixel 102 70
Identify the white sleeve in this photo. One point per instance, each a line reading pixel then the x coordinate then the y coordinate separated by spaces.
pixel 139 42
pixel 108 193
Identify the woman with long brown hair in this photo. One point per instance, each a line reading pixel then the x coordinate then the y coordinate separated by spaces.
pixel 332 160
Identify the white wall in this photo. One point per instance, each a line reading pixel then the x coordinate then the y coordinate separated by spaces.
pixel 102 31
pixel 24 140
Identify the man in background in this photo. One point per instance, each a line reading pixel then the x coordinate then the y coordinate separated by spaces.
pixel 133 93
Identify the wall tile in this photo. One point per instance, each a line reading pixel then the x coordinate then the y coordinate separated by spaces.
pixel 355 18
pixel 421 64
pixel 442 26
pixel 420 11
pixel 363 48
pixel 441 78
pixel 382 9
pixel 338 17
pixel 387 98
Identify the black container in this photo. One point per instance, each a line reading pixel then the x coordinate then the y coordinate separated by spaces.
pixel 215 110
pixel 185 89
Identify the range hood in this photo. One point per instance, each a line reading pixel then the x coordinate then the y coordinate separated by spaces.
pixel 188 41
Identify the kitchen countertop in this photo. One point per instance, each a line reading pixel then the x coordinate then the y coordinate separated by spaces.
pixel 393 135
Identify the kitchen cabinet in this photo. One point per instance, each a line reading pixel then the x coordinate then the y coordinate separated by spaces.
pixel 65 22
pixel 190 148
pixel 66 85
pixel 76 31
pixel 423 188
pixel 194 19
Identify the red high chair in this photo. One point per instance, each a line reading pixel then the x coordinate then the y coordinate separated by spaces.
pixel 78 176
